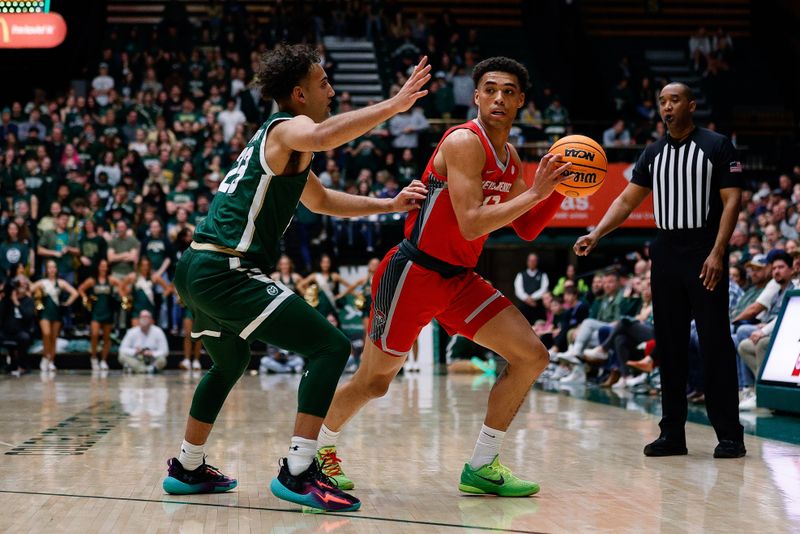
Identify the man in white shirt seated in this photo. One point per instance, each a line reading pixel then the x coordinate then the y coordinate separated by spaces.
pixel 144 348
pixel 530 286
pixel 753 349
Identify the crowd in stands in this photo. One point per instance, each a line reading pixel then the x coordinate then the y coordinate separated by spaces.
pixel 100 192
pixel 634 97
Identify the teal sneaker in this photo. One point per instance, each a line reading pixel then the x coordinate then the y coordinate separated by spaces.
pixel 487 366
pixel 204 479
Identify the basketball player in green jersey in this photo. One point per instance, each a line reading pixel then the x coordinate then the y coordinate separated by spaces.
pixel 224 277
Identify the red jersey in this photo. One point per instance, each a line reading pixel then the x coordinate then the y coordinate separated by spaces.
pixel 434 228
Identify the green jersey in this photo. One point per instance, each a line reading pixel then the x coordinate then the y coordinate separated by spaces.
pixel 253 206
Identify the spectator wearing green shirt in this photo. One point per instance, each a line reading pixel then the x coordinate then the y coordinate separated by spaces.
pixel 181 222
pixel 407 169
pixel 15 251
pixel 759 274
pixel 48 222
pixel 123 251
pixel 608 309
pixel 93 248
pixel 365 152
pixel 203 205
pixel 157 248
pixel 119 207
pixel 61 245
pixel 443 97
pixel 570 275
pixel 50 181
pixel 21 194
pixel 180 197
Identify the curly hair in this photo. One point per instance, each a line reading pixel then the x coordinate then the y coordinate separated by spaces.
pixel 501 64
pixel 280 70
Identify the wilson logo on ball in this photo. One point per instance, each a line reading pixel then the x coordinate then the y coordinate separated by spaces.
pixel 578 153
pixel 585 177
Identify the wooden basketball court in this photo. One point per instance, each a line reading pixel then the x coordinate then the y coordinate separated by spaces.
pixel 85 453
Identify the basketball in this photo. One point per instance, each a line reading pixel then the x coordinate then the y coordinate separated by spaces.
pixel 589 164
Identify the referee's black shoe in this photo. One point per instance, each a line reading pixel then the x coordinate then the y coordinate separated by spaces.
pixel 665 447
pixel 728 448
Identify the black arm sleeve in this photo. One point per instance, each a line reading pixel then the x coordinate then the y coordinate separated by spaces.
pixel 641 171
pixel 727 167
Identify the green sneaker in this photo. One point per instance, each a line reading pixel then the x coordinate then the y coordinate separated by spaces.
pixel 331 466
pixel 495 478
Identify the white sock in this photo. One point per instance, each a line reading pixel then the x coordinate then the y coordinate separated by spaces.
pixel 301 453
pixel 487 447
pixel 191 456
pixel 327 437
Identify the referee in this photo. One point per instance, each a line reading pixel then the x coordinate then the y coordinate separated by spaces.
pixel 695 179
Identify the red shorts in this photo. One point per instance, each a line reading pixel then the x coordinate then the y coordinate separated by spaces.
pixel 406 297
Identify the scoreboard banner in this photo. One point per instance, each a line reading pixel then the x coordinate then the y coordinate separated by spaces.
pixel 584 212
pixel 31 30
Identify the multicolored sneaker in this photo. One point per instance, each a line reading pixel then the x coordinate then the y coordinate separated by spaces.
pixel 204 479
pixel 495 478
pixel 331 466
pixel 312 488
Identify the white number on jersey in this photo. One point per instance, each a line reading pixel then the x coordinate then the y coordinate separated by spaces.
pixel 236 173
pixel 494 199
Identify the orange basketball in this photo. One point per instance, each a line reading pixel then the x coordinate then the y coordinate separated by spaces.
pixel 589 164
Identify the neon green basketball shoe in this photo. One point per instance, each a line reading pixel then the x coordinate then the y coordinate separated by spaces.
pixel 496 479
pixel 331 466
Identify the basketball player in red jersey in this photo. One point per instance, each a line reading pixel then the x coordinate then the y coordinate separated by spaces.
pixel 475 186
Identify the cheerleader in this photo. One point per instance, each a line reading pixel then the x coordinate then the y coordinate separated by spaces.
pixel 48 292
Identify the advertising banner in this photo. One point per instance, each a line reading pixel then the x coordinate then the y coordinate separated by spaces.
pixel 584 212
pixel 32 30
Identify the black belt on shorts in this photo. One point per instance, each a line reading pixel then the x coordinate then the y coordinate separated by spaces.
pixel 423 259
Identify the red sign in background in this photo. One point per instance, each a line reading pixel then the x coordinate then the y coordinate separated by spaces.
pixel 583 212
pixel 32 30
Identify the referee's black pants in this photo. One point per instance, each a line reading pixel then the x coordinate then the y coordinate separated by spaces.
pixel 679 296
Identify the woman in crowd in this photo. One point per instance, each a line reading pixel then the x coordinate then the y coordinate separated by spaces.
pixel 286 275
pixel 101 303
pixel 191 347
pixel 570 275
pixel 322 289
pixel 547 328
pixel 48 292
pixel 15 251
pixel 141 286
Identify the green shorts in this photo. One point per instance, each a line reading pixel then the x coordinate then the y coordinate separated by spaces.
pixel 226 294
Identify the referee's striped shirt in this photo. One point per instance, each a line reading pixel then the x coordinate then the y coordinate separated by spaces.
pixel 686 178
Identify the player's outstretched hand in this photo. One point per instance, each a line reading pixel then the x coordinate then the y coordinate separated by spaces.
pixel 410 197
pixel 412 90
pixel 585 244
pixel 549 174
